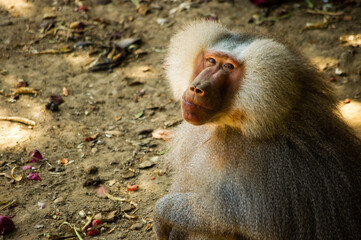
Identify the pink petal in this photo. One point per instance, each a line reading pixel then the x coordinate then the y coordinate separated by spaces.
pixel 34 176
pixel 100 191
pixel 27 167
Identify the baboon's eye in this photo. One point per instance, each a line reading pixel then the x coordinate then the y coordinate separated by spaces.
pixel 211 60
pixel 229 66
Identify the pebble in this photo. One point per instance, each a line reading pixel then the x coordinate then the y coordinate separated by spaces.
pixel 2 163
pixel 136 226
pixel 340 72
pixel 99 216
pixel 94 150
pixel 162 21
pixel 127 207
pixel 82 213
pixel 116 133
pixel 154 159
pixel 91 169
pixel 128 174
pixel 38 226
pixel 59 201
pixel 146 164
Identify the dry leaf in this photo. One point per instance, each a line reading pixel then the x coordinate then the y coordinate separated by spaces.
pixel 163 134
pixel 16 178
pixel 142 9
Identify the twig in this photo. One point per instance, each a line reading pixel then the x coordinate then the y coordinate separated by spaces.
pixel 115 198
pixel 74 228
pixel 120 199
pixel 13 202
pixel 320 12
pixel 18 119
pixel 25 90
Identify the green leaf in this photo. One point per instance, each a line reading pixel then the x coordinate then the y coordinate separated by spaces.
pixel 139 115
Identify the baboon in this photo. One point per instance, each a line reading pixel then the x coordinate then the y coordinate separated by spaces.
pixel 263 153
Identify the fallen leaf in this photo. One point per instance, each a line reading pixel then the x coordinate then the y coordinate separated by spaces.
pixel 49 16
pixel 139 115
pixel 64 161
pixel 5 175
pixel 126 42
pixel 92 137
pixel 163 134
pixel 142 9
pixel 312 26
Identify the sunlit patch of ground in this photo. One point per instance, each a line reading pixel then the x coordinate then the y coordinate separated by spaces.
pixel 324 62
pixel 14 134
pixel 18 7
pixel 352 114
pixel 139 72
pixel 79 60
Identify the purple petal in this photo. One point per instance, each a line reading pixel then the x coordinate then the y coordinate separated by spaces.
pixel 41 205
pixel 34 176
pixel 36 156
pixel 27 167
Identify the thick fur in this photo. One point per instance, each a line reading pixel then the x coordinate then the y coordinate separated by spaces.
pixel 289 168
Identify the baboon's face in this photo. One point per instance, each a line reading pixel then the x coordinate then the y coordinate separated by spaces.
pixel 216 79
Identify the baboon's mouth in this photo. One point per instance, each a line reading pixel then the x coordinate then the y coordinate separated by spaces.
pixel 196 114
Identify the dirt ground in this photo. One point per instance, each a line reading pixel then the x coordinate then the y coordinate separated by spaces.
pixel 103 136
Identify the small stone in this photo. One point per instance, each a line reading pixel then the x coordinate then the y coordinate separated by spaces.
pixel 160 172
pixel 94 150
pixel 154 159
pixel 82 213
pixel 59 201
pixel 162 21
pixel 91 170
pixel 136 226
pixel 146 164
pixel 113 133
pixel 128 174
pixel 99 216
pixel 39 226
pixel 173 123
pixel 340 72
pixel 110 216
pixel 127 207
pixel 2 163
